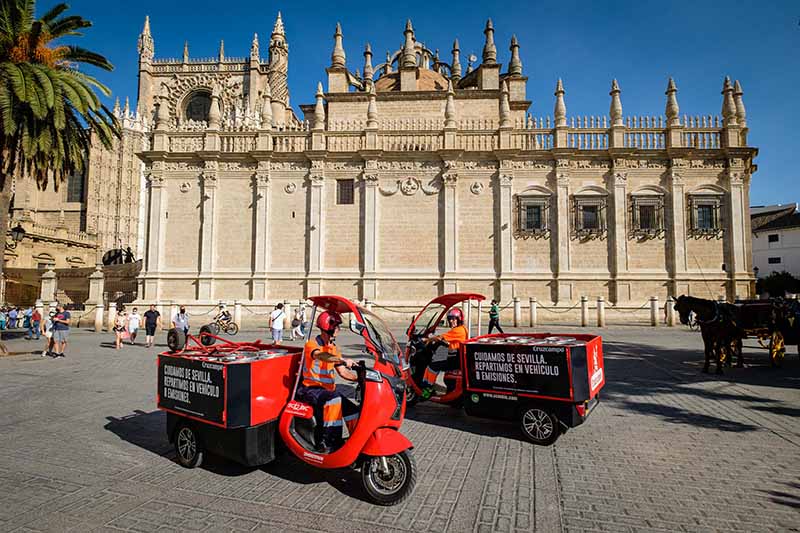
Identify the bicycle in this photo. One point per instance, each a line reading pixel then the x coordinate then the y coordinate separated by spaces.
pixel 226 326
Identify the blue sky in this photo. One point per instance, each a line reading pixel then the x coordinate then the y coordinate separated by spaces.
pixel 641 43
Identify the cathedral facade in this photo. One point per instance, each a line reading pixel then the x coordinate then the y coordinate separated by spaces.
pixel 415 176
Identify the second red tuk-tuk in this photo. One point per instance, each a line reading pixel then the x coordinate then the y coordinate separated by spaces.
pixel 546 382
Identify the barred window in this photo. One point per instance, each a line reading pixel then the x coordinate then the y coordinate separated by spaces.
pixel 75 187
pixel 345 192
pixel 589 215
pixel 647 215
pixel 705 215
pixel 532 215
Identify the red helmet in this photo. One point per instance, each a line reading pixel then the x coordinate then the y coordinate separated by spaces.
pixel 457 314
pixel 328 320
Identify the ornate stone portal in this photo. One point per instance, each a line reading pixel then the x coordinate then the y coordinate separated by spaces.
pixel 415 178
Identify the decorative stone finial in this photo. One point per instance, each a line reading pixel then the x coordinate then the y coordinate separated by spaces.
pixel 254 48
pixel 116 108
pixel 455 69
pixel 277 29
pixel 560 110
pixel 489 49
pixel 372 109
pixel 221 50
pixel 319 109
pixel 672 109
pixel 450 107
pixel 368 70
pixel 728 104
pixel 338 57
pixel 146 44
pixel 388 69
pixel 266 109
pixel 126 111
pixel 185 51
pixel 409 56
pixel 615 111
pixel 505 107
pixel 741 113
pixel 515 65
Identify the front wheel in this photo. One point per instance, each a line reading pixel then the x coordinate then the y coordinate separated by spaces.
pixel 232 329
pixel 188 448
pixel 389 480
pixel 412 398
pixel 538 425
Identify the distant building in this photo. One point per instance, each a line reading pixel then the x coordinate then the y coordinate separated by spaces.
pixel 776 239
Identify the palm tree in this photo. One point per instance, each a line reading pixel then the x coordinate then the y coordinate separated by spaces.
pixel 48 107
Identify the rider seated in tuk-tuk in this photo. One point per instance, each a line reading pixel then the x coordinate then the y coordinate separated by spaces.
pixel 318 387
pixel 454 338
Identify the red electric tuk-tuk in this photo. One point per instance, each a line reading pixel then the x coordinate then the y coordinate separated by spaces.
pixel 546 382
pixel 235 399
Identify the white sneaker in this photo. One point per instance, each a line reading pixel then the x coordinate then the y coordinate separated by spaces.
pixel 44 353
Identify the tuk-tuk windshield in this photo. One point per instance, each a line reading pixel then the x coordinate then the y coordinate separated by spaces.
pixel 427 319
pixel 382 338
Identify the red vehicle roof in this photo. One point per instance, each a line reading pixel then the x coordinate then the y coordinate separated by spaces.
pixel 334 303
pixel 455 297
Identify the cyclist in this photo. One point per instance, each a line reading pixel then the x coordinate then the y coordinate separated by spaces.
pixel 454 338
pixel 223 316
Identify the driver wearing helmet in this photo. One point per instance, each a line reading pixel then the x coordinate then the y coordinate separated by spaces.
pixel 454 338
pixel 321 357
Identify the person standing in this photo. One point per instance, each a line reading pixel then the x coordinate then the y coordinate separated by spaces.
pixel 152 320
pixel 134 320
pixel 34 325
pixel 47 330
pixel 494 318
pixel 61 330
pixel 120 322
pixel 12 318
pixel 276 324
pixel 298 322
pixel 181 321
pixel 3 318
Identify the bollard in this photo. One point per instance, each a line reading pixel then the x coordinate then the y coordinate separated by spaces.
pixel 654 311
pixel 165 320
pixel 287 315
pixel 173 310
pixel 112 315
pixel 584 311
pixel 533 311
pixel 468 318
pixel 480 313
pixel 367 304
pixel 517 311
pixel 237 313
pixel 98 318
pixel 670 311
pixel 601 312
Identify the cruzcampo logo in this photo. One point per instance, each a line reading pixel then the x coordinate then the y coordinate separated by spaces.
pixel 475 398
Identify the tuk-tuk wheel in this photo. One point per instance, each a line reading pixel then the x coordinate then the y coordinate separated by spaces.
pixel 539 425
pixel 206 340
pixel 411 396
pixel 389 480
pixel 176 340
pixel 188 448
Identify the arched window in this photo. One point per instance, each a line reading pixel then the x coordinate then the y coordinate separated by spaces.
pixel 197 105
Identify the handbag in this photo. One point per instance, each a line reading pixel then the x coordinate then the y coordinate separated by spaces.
pixel 295 322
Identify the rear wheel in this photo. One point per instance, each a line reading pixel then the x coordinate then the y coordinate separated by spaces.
pixel 176 340
pixel 207 340
pixel 213 328
pixel 539 425
pixel 777 349
pixel 188 448
pixel 389 480
pixel 232 329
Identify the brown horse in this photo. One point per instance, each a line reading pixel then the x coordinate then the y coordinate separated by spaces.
pixel 718 328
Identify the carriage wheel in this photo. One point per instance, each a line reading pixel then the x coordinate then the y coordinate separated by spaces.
pixel 777 348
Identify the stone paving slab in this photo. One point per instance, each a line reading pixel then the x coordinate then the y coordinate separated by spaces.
pixel 82 448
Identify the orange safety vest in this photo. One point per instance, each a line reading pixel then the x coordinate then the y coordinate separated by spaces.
pixel 455 337
pixel 318 373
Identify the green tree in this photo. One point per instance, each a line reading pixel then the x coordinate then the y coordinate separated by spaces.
pixel 778 284
pixel 49 108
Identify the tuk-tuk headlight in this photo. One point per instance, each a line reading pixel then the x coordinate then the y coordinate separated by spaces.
pixel 373 375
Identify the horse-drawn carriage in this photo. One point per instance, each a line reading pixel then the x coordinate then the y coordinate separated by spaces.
pixel 723 326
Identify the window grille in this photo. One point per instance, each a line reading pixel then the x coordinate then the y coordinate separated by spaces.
pixel 705 216
pixel 647 216
pixel 345 192
pixel 589 216
pixel 773 238
pixel 774 260
pixel 75 187
pixel 533 216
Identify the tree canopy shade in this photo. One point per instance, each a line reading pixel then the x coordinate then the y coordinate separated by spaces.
pixel 48 107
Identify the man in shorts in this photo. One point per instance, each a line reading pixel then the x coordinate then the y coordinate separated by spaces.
pixel 152 321
pixel 60 330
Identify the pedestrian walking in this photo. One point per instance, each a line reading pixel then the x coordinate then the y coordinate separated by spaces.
pixel 120 323
pixel 26 318
pixel 34 325
pixel 3 318
pixel 298 322
pixel 276 324
pixel 181 321
pixel 47 330
pixel 61 330
pixel 152 320
pixel 494 318
pixel 12 318
pixel 134 319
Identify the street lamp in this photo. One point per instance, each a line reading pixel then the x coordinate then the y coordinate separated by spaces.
pixel 755 271
pixel 17 234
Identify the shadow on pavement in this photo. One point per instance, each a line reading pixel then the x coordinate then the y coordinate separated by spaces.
pixel 785 498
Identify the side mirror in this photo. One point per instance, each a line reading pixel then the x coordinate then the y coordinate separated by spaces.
pixel 356 326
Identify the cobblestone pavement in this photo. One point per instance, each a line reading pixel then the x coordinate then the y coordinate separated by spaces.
pixel 82 448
